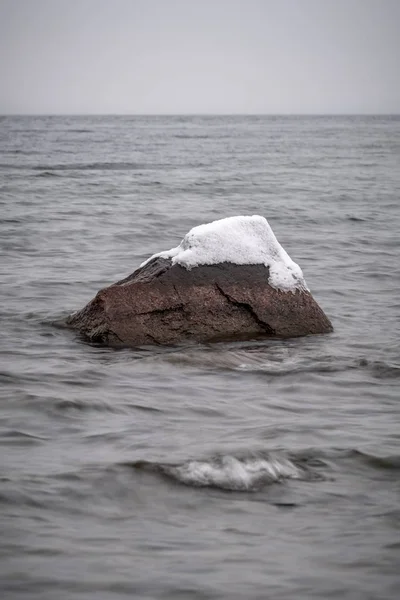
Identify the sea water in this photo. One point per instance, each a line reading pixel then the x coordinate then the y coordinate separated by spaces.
pixel 249 470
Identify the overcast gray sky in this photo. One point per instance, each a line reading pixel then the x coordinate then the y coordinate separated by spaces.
pixel 199 56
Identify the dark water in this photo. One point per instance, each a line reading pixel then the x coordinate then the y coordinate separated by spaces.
pixel 244 471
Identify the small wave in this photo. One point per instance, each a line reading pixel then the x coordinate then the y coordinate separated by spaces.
pixel 319 458
pixel 253 472
pixel 378 462
pixel 24 152
pixel 7 378
pixel 277 361
pixel 19 498
pixel 271 361
pixel 11 221
pixel 66 406
pixel 47 174
pixel 355 219
pixel 97 166
pixel 15 436
pixel 228 472
pixel 188 136
pixel 143 408
pixel 381 369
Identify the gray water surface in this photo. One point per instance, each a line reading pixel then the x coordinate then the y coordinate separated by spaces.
pixel 250 470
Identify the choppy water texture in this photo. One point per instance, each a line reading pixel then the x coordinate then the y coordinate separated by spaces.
pixel 265 469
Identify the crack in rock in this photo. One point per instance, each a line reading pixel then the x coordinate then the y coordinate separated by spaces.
pixel 267 328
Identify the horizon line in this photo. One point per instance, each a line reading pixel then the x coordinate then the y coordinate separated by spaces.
pixel 200 114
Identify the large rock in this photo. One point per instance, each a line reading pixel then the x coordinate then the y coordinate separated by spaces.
pixel 164 303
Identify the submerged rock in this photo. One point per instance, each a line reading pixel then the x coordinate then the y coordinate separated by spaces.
pixel 228 279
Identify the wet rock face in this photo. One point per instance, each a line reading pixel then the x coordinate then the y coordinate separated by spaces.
pixel 164 303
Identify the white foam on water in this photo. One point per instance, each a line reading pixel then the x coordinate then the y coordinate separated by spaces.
pixel 242 240
pixel 232 473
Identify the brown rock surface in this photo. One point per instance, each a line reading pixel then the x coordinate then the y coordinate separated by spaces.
pixel 162 303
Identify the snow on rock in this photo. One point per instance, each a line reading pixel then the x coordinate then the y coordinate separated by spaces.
pixel 242 240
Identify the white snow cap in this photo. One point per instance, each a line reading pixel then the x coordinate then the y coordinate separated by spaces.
pixel 241 240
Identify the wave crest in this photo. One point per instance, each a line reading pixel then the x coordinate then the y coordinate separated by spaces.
pixel 228 472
